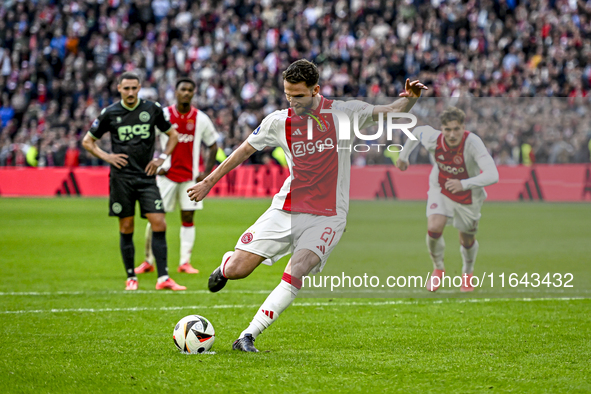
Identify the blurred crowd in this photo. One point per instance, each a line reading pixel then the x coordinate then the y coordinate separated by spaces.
pixel 524 130
pixel 59 63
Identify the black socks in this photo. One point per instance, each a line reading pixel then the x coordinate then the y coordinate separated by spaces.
pixel 127 253
pixel 159 249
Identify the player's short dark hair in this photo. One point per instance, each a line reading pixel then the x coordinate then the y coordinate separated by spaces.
pixel 129 75
pixel 452 113
pixel 302 71
pixel 184 79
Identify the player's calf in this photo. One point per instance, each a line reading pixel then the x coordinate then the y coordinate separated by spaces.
pixel 275 304
pixel 469 251
pixel 240 264
pixel 436 248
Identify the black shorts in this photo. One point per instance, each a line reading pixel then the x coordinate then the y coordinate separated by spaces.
pixel 125 191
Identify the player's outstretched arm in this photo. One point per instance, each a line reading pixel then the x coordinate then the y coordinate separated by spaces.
pixel 410 95
pixel 154 164
pixel 200 190
pixel 425 135
pixel 118 160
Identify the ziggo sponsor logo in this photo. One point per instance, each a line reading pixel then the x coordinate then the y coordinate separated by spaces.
pixel 186 138
pixel 307 148
pixel 450 169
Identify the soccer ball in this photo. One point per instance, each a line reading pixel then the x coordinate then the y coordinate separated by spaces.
pixel 193 334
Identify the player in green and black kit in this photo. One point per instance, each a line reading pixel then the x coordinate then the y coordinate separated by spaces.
pixel 132 124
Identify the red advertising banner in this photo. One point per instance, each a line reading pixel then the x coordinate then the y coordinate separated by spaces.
pixel 542 182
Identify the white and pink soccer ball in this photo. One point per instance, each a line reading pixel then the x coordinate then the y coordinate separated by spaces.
pixel 193 334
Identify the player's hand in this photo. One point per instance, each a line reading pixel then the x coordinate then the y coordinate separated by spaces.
pixel 118 160
pixel 162 172
pixel 402 164
pixel 199 191
pixel 413 89
pixel 153 165
pixel 454 186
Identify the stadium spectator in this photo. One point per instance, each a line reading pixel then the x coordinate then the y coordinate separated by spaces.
pixel 72 157
pixel 6 111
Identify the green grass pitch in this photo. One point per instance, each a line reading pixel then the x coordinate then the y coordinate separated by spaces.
pixel 67 326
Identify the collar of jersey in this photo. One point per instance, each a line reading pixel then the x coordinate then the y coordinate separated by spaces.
pixel 128 108
pixel 177 113
pixel 316 112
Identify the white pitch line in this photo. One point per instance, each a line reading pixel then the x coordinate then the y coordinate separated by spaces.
pixel 299 304
pixel 98 293
pixel 309 291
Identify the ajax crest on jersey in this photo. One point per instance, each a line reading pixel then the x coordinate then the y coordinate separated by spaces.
pixel 246 238
pixel 193 334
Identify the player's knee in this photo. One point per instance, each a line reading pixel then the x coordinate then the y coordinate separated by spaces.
pixel 158 224
pixel 159 227
pixel 187 216
pixel 126 226
pixel 467 240
pixel 436 223
pixel 435 229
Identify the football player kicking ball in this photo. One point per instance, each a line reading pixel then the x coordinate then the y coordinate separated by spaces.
pixel 181 169
pixel 307 216
pixel 132 124
pixel 456 188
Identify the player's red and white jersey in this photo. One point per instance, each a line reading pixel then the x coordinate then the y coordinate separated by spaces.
pixel 464 162
pixel 319 167
pixel 193 128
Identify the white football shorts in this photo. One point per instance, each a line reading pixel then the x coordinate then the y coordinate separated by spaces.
pixel 278 233
pixel 173 192
pixel 465 216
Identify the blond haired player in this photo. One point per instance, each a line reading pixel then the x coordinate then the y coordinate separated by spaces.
pixel 463 167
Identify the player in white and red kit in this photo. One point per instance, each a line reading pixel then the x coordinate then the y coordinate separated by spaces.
pixel 456 188
pixel 181 169
pixel 307 216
